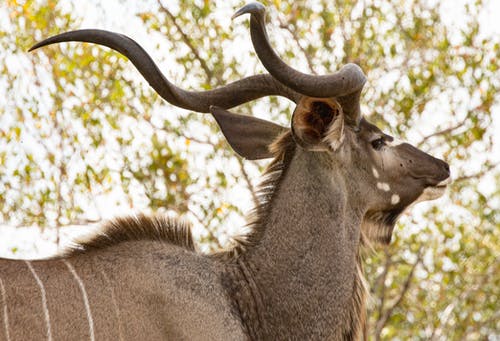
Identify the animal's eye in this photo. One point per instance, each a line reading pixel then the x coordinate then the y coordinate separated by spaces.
pixel 378 143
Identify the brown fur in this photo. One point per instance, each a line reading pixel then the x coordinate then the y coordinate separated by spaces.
pixel 283 149
pixel 239 274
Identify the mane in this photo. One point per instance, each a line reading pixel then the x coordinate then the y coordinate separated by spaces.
pixel 135 228
pixel 283 149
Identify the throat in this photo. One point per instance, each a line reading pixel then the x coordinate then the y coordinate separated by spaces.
pixel 304 274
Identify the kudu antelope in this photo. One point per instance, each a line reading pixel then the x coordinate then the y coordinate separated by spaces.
pixel 334 181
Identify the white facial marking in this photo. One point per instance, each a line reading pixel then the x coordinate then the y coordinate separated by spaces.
pixel 44 300
pixel 85 298
pixel 395 199
pixel 375 173
pixel 5 316
pixel 383 186
pixel 395 142
pixel 115 303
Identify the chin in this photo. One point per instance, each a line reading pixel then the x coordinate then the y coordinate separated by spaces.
pixel 431 193
pixel 377 226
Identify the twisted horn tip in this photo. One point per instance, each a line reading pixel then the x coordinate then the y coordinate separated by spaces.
pixel 34 47
pixel 44 42
pixel 251 8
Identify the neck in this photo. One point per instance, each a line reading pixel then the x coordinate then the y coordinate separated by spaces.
pixel 303 273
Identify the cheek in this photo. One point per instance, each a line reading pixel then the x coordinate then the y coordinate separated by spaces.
pixel 393 184
pixel 393 170
pixel 408 193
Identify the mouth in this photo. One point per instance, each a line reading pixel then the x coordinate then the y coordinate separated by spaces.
pixel 443 184
pixel 434 191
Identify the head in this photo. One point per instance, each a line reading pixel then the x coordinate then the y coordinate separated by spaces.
pixel 384 176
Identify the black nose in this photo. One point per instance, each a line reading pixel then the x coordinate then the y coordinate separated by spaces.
pixel 446 169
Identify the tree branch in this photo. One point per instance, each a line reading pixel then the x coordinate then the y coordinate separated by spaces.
pixel 308 57
pixel 210 234
pixel 487 169
pixel 249 183
pixel 189 43
pixel 437 332
pixel 198 140
pixel 388 312
pixel 443 132
pixel 382 278
pixel 209 76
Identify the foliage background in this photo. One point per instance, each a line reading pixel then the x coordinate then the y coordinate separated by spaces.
pixel 83 138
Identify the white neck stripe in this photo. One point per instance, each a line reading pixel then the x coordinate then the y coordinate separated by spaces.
pixel 44 300
pixel 5 316
pixel 85 298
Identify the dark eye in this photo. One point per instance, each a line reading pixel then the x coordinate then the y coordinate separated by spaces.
pixel 378 143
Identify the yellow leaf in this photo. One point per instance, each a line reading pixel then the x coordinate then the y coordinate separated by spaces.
pixel 26 8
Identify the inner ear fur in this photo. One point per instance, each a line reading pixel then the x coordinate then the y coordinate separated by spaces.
pixel 318 123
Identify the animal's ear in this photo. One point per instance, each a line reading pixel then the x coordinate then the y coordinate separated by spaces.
pixel 250 137
pixel 318 123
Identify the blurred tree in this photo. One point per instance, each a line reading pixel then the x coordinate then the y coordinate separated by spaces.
pixel 70 128
pixel 79 128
